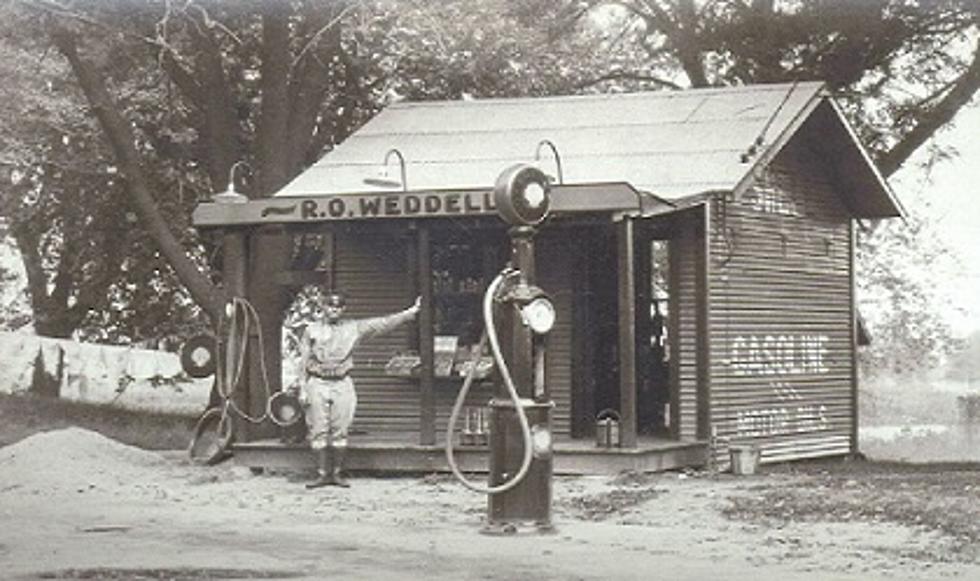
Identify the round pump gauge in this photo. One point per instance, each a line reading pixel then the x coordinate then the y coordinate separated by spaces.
pixel 539 314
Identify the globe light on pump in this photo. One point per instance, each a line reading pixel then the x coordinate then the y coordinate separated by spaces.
pixel 522 195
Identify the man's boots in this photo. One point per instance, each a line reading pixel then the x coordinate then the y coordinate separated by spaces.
pixel 330 462
pixel 337 478
pixel 324 468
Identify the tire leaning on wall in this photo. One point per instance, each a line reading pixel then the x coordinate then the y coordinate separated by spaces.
pixel 213 436
pixel 198 356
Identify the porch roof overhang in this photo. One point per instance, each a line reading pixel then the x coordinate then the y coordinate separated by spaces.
pixel 595 198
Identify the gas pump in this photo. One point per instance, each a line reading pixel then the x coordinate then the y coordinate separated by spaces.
pixel 520 471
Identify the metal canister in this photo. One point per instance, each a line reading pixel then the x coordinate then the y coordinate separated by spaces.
pixel 607 429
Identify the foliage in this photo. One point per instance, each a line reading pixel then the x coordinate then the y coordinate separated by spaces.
pixel 902 68
pixel 964 364
pixel 901 296
pixel 193 83
pixel 65 203
pixel 120 110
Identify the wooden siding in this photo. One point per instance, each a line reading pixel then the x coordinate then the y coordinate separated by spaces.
pixel 557 277
pixel 684 250
pixel 780 335
pixel 371 267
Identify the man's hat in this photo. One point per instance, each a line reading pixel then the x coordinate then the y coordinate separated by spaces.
pixel 334 299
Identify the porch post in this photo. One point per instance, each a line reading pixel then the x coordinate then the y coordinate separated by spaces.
pixel 234 248
pixel 625 251
pixel 427 399
pixel 268 249
pixel 855 403
pixel 703 298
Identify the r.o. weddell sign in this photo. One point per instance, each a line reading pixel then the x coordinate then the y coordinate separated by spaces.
pixel 346 207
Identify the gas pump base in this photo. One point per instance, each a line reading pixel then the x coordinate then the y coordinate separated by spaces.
pixel 527 506
pixel 514 529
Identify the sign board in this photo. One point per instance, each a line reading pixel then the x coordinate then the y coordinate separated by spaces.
pixel 347 207
pixel 604 197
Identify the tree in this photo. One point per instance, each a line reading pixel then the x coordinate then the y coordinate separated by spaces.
pixel 965 363
pixel 65 209
pixel 901 297
pixel 902 69
pixel 182 91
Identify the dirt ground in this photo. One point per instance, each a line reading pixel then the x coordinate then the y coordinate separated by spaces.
pixel 77 505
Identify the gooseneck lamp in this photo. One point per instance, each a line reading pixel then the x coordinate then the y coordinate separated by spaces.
pixel 383 180
pixel 231 195
pixel 554 151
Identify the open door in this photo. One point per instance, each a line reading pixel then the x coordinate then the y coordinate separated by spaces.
pixel 653 391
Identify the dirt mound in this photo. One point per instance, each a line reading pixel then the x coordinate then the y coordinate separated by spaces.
pixel 74 458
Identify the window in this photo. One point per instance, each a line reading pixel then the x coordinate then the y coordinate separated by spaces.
pixel 462 267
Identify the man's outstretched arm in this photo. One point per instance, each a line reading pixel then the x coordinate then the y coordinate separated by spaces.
pixel 374 326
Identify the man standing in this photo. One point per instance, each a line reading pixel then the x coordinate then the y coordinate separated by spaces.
pixel 326 350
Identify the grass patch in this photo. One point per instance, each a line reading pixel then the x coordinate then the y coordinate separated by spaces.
pixel 23 415
pixel 943 496
pixel 602 506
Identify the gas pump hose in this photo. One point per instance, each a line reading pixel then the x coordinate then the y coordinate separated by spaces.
pixel 490 333
pixel 240 308
pixel 239 315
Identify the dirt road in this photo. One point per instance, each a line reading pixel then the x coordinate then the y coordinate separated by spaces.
pixel 75 505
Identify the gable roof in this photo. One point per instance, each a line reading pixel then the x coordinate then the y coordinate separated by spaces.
pixel 671 144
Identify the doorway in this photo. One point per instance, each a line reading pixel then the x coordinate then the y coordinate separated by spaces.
pixel 597 336
pixel 653 332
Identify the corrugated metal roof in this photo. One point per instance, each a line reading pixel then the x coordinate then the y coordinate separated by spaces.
pixel 669 143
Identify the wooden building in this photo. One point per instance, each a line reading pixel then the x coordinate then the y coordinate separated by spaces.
pixel 700 254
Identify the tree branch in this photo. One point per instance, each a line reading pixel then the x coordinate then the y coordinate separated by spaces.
pixel 62 11
pixel 933 118
pixel 315 37
pixel 218 124
pixel 681 33
pixel 122 142
pixel 310 82
pixel 626 76
pixel 183 78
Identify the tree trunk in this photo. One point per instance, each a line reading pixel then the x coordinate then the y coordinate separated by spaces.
pixel 122 142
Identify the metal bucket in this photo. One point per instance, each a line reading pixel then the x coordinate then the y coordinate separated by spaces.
pixel 607 434
pixel 745 458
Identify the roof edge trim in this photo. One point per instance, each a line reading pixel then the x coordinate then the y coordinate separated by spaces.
pixel 766 156
pixel 872 166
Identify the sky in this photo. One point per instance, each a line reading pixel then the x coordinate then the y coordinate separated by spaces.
pixel 949 195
